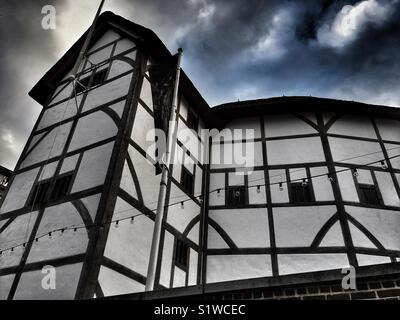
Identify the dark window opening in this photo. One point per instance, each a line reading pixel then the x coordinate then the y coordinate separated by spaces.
pixel 83 84
pixel 187 181
pixel 99 77
pixel 38 196
pixel 192 121
pixel 236 196
pixel 300 192
pixel 61 187
pixel 369 194
pixel 181 254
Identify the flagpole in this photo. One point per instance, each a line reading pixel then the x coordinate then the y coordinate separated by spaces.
pixel 171 140
pixel 86 43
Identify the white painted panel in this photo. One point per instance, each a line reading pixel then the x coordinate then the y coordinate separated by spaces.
pixel 29 287
pixel 59 112
pixel 277 195
pixel 123 45
pixel 35 139
pixel 393 151
pixel 321 184
pixel 59 245
pixel 193 268
pixel 387 189
pixel 297 174
pixel 256 195
pixel 389 129
pixel 236 178
pixel 215 241
pixel 179 217
pixel 92 203
pixel 291 151
pixel 286 125
pixel 118 107
pixel 217 181
pixel 100 55
pixel 366 260
pixel 248 228
pixel 69 164
pixel 119 67
pixel 364 176
pixel 383 224
pixel 18 231
pixel 346 183
pixel 107 92
pixel 355 151
pixel 184 109
pixel 177 163
pixel 334 237
pixel 236 155
pixel 359 238
pixel 148 181
pixel 93 168
pixel 51 146
pixel 238 126
pixel 146 94
pixel 5 285
pixel 300 263
pixel 92 128
pixel 62 92
pixel 113 283
pixel 179 277
pixel 143 129
pixel 298 226
pixel 188 163
pixel 129 244
pixel 235 267
pixel 166 262
pixel 19 191
pixel 198 184
pixel 194 234
pixel 190 140
pixel 127 183
pixel 108 37
pixel 351 125
pixel 48 171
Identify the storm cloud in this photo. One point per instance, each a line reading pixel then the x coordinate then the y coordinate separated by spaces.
pixel 236 49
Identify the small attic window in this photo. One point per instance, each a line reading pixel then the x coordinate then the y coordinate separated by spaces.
pixel 98 78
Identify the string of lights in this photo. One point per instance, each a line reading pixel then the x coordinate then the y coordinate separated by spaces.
pixel 75 228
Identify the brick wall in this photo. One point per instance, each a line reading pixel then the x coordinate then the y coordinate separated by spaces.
pixel 367 289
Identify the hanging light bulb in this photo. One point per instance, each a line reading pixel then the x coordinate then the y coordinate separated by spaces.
pixel 355 172
pixel 258 189
pixel 330 177
pixel 12 251
pixel 384 165
pixel 50 235
pixel 182 205
pixel 304 183
pixel 117 224
pixel 218 192
pixel 132 220
pixel 280 186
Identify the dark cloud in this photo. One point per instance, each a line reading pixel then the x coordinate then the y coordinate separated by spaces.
pixel 236 49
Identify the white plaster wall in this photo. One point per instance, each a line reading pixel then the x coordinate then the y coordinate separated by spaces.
pixel 346 184
pixel 334 237
pixel 69 164
pixel 359 238
pixel 276 177
pixel 300 263
pixel 365 260
pixel 107 92
pixel 166 262
pixel 127 183
pixel 248 228
pixel 393 151
pixel 18 231
pixel 289 151
pixel 383 224
pixel 145 93
pixel 286 125
pixel 66 285
pixel 298 226
pixel 256 196
pixel 183 108
pixel 5 285
pixel 93 168
pixel 387 189
pixel 100 55
pixel 236 155
pixel 60 245
pixel 238 127
pixel 123 45
pixel 389 129
pixel 19 191
pixel 322 185
pixel 355 151
pixel 192 277
pixel 179 277
pixel 144 122
pixel 190 140
pixel 217 181
pixel 109 36
pixel 48 171
pixel 215 241
pixel 92 128
pixel 129 244
pixel 113 283
pixel 198 182
pixel 119 67
pixel 236 267
pixel 60 111
pixel 51 146
pixel 351 125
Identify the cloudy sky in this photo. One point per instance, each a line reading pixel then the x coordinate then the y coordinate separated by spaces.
pixel 233 49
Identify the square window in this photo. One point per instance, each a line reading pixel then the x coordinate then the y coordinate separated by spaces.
pixel 236 196
pixel 369 194
pixel 300 192
pixel 181 254
pixel 61 187
pixel 187 181
pixel 38 196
